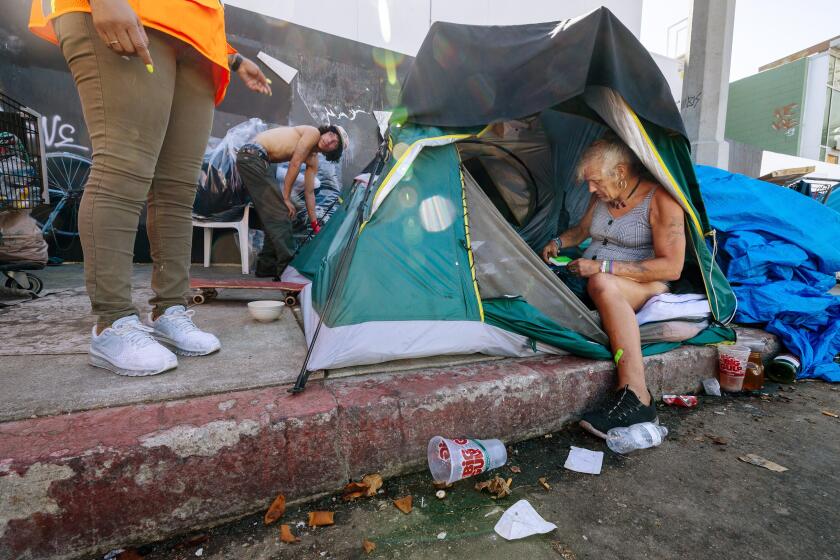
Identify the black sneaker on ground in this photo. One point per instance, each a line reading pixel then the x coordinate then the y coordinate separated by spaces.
pixel 623 409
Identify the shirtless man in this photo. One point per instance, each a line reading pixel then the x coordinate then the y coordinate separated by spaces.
pixel 296 145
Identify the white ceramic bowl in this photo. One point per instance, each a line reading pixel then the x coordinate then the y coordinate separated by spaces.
pixel 265 311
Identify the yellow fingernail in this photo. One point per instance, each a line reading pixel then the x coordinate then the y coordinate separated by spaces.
pixel 150 69
pixel 267 80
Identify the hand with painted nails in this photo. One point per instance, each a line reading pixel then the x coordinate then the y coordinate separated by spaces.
pixel 253 77
pixel 119 27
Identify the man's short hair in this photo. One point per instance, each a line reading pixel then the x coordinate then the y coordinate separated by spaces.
pixel 334 155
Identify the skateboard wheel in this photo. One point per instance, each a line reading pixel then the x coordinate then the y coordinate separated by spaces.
pixel 198 299
pixel 290 301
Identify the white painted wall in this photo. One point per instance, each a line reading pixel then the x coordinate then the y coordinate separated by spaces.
pixel 404 23
pixel 401 25
pixel 813 112
pixel 672 70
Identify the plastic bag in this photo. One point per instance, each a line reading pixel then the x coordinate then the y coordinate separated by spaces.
pixel 221 196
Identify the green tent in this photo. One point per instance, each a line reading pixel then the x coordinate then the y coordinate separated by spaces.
pixel 438 254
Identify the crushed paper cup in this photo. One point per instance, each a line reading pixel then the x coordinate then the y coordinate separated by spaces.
pixel 684 401
pixel 522 520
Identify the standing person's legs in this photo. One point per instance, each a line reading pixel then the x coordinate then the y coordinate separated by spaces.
pixel 126 111
pixel 169 214
pixel 257 176
pixel 169 217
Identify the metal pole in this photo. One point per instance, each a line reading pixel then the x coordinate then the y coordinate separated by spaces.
pixel 343 262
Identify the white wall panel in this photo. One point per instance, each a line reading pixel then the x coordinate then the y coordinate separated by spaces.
pixel 409 20
pixel 473 12
pixel 813 113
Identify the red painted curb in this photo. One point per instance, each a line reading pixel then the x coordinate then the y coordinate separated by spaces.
pixel 90 481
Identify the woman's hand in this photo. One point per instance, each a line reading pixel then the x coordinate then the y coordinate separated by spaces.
pixel 253 77
pixel 550 250
pixel 584 267
pixel 121 30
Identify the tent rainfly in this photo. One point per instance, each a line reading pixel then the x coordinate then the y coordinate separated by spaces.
pixel 478 176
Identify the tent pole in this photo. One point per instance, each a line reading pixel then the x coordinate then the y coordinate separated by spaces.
pixel 303 376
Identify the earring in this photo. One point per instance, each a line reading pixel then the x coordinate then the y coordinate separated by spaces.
pixel 622 183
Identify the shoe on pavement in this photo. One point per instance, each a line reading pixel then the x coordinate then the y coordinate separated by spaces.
pixel 127 348
pixel 623 409
pixel 175 330
pixel 266 270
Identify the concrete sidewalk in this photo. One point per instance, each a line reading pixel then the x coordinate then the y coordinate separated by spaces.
pixel 90 461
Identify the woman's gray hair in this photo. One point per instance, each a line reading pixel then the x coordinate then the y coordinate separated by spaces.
pixel 605 154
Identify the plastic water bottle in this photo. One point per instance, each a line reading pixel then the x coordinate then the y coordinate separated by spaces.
pixel 637 436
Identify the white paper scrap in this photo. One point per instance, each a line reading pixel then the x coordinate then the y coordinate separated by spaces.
pixel 286 72
pixel 522 520
pixel 584 461
pixel 382 118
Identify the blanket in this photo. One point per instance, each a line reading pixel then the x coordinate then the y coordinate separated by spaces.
pixel 780 251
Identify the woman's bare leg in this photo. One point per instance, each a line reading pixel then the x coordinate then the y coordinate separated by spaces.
pixel 617 300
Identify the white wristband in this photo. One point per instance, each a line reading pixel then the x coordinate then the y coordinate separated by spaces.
pixel 604 266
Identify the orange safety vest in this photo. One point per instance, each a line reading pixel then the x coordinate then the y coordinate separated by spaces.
pixel 199 23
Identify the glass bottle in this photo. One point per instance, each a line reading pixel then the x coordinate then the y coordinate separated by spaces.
pixel 754 377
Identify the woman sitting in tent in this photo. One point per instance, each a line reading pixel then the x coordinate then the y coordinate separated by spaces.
pixel 638 247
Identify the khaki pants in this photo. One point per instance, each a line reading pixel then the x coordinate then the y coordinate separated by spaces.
pixel 148 132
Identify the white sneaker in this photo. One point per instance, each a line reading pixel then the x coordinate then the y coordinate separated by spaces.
pixel 127 348
pixel 175 330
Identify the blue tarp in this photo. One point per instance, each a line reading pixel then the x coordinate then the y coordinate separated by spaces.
pixel 780 251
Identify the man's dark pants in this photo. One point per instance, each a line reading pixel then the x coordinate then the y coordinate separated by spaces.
pixel 258 177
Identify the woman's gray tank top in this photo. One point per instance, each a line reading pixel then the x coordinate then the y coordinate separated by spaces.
pixel 628 238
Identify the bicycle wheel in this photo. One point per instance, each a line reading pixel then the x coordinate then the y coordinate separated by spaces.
pixel 66 177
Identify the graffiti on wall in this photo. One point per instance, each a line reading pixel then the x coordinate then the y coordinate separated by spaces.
pixel 691 101
pixel 59 135
pixel 334 90
pixel 786 119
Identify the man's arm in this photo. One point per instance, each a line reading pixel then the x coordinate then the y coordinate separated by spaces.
pixel 667 220
pixel 309 186
pixel 308 141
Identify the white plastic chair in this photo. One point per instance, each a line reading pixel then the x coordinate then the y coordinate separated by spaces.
pixel 242 230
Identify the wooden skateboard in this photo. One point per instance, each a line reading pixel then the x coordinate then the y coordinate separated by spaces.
pixel 204 290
